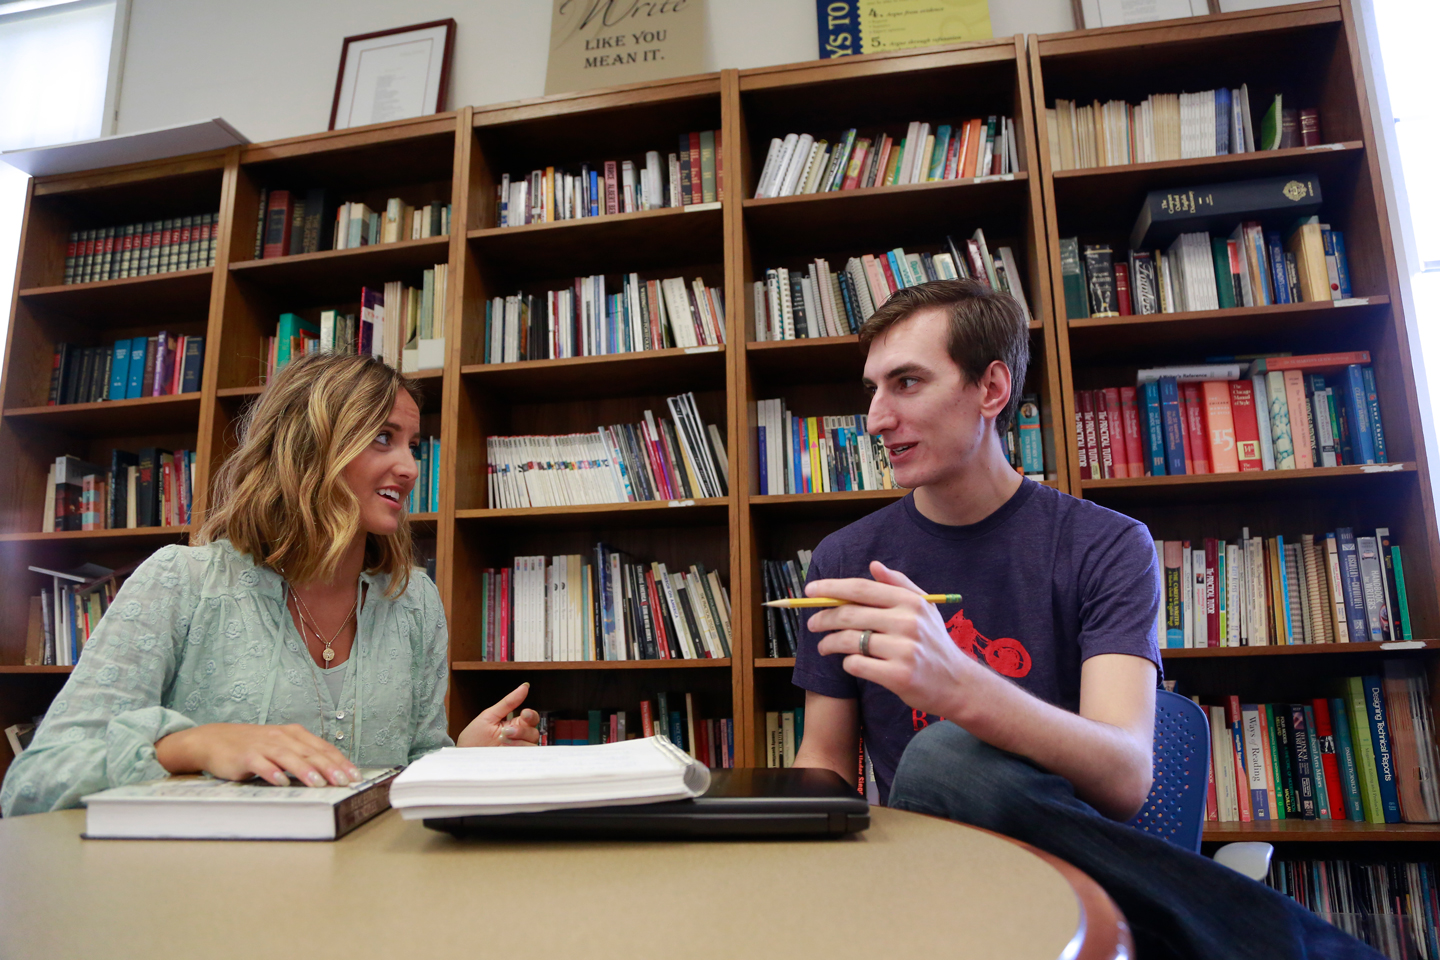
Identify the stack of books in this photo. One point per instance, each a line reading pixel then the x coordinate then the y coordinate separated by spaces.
pixel 425 495
pixel 1367 755
pixel 602 607
pixel 585 321
pixel 1391 906
pixel 404 326
pixel 657 459
pixel 784 580
pixel 1258 591
pixel 784 729
pixel 818 454
pixel 152 488
pixel 291 223
pixel 157 366
pixel 1271 413
pixel 141 249
pixel 801 163
pixel 64 615
pixel 712 742
pixel 694 175
pixel 819 301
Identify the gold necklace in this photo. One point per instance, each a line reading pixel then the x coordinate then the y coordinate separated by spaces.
pixel 319 698
pixel 328 654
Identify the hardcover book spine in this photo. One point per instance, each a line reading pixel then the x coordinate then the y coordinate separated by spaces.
pixel 1384 759
pixel 1174 427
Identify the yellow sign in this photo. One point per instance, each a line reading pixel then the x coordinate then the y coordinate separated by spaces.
pixel 600 43
pixel 875 26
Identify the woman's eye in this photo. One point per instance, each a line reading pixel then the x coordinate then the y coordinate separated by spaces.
pixel 383 437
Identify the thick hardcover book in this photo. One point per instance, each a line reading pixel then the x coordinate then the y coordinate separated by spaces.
pixel 1153 422
pixel 1172 418
pixel 119 368
pixel 1246 425
pixel 147 488
pixel 1362 738
pixel 118 507
pixel 135 378
pixel 1166 214
pixel 1072 273
pixel 204 808
pixel 277 224
pixel 1347 761
pixel 1101 277
pixel 1281 731
pixel 1329 758
pixel 194 361
pixel 1305 776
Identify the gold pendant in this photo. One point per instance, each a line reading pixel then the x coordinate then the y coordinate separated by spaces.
pixel 328 654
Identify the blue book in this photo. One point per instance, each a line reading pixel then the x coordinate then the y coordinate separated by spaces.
pixel 937 162
pixel 1342 265
pixel 902 273
pixel 764 460
pixel 434 474
pixel 1154 429
pixel 1372 404
pixel 1174 426
pixel 1285 574
pixel 677 729
pixel 1380 737
pixel 120 369
pixel 1280 280
pixel 134 384
pixel 1350 575
pixel 1345 754
pixel 1222 121
pixel 594 193
pixel 1361 436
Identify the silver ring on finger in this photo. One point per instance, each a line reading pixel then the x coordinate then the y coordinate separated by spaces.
pixel 865 643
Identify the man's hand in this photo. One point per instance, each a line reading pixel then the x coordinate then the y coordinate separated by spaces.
pixel 491 729
pixel 911 653
pixel 238 751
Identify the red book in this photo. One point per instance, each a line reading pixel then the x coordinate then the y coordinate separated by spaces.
pixel 647 719
pixel 1086 399
pixel 1242 779
pixel 1247 427
pixel 612 187
pixel 1212 605
pixel 109 254
pixel 1325 735
pixel 1197 450
pixel 1314 362
pixel 1122 288
pixel 1120 463
pixel 146 242
pixel 684 185
pixel 1219 426
pixel 1130 424
pixel 127 246
pixel 278 213
pixel 719 168
pixel 884 264
pixel 1309 127
pixel 505 651
pixel 1102 435
pixel 657 617
pixel 696 193
pixel 1212 812
pixel 1084 453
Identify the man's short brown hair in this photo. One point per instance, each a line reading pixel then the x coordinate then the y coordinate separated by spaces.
pixel 985 326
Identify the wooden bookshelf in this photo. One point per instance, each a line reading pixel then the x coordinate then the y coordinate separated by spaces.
pixel 460 157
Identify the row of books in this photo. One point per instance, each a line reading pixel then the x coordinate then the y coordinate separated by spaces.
pixel 695 174
pixel 585 321
pixel 425 495
pixel 818 454
pixel 64 615
pixel 819 301
pixel 784 729
pixel 402 325
pixel 152 488
pixel 657 459
pixel 291 222
pixel 801 163
pixel 1367 755
pixel 1170 126
pixel 602 607
pixel 157 366
pixel 1391 906
pixel 1280 413
pixel 141 249
pixel 1252 268
pixel 712 742
pixel 784 580
pixel 1258 591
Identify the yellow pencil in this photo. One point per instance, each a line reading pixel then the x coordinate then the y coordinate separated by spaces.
pixel 829 602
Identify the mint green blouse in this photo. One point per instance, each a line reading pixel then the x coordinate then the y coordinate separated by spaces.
pixel 202 635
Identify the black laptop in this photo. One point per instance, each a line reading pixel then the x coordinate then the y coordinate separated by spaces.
pixel 739 803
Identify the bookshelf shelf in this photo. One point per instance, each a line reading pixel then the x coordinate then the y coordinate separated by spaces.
pixel 1277 831
pixel 1301 649
pixel 706 510
pixel 1258 163
pixel 341 273
pixel 1250 483
pixel 174 413
pixel 787 663
pixel 130 536
pixel 656 239
pixel 1301 312
pixel 611 374
pixel 30 669
pixel 162 291
pixel 478 666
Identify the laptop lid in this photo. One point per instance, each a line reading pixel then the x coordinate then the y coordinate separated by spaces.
pixel 740 803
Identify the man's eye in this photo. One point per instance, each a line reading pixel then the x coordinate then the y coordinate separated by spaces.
pixel 907 382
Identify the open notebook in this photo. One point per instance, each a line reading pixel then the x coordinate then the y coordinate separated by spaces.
pixel 459 782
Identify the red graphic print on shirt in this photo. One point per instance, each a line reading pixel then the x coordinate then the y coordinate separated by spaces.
pixel 1005 656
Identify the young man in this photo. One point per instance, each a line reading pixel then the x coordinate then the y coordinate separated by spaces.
pixel 1027 707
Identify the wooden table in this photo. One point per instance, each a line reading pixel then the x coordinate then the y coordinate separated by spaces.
pixel 910 887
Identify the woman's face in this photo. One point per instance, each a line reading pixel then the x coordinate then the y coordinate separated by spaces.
pixel 383 474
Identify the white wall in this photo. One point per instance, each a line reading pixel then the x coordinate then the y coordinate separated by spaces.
pixel 268 66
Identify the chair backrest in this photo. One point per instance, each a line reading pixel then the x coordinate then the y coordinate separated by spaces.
pixel 1175 809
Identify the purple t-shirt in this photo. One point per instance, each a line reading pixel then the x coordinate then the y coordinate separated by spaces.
pixel 1048 581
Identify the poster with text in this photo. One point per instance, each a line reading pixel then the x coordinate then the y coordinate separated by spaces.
pixel 601 43
pixel 877 26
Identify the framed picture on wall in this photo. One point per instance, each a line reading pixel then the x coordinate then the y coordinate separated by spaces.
pixel 393 74
pixel 1090 14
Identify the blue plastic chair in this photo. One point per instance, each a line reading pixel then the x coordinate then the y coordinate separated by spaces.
pixel 1175 809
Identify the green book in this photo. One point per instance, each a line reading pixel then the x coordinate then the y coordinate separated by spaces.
pixel 895 173
pixel 1400 590
pixel 1362 738
pixel 1224 279
pixel 594 726
pixel 707 166
pixel 291 326
pixel 1272 126
pixel 1072 274
pixel 1276 771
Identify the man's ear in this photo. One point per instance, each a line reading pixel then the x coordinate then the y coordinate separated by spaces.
pixel 995 389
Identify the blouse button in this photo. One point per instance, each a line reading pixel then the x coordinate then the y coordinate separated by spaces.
pixel 340 715
pixel 339 736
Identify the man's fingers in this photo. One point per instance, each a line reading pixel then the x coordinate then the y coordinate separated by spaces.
pixel 847 642
pixel 854 616
pixel 888 675
pixel 861 590
pixel 509 702
pixel 884 574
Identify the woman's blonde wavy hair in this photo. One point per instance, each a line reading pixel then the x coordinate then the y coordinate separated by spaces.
pixel 280 496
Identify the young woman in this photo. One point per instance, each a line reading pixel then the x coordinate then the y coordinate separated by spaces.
pixel 293 639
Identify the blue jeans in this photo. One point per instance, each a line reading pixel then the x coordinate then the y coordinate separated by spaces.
pixel 1178 903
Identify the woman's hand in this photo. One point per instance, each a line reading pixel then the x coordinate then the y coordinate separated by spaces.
pixel 238 751
pixel 491 729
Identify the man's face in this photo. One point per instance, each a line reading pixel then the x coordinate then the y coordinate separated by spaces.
pixel 921 407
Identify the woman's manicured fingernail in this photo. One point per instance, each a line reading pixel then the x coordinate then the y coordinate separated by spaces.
pixel 280 780
pixel 354 774
pixel 341 778
pixel 316 780
pixel 507 731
